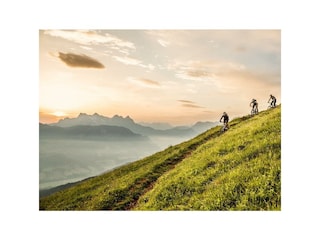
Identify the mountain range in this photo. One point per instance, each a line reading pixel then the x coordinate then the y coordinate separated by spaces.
pixel 96 119
pixel 87 132
pixel 77 148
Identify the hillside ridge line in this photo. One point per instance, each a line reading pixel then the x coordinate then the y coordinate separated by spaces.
pixel 126 199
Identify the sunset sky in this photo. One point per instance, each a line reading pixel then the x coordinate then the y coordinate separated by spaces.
pixel 174 76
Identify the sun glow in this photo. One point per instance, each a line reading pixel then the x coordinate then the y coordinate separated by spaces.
pixel 59 114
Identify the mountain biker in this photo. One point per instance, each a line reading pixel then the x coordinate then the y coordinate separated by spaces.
pixel 225 118
pixel 254 104
pixel 273 100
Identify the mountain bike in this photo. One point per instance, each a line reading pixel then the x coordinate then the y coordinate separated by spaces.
pixel 254 111
pixel 225 127
pixel 270 106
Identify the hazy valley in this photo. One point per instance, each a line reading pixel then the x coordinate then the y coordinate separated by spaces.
pixel 86 146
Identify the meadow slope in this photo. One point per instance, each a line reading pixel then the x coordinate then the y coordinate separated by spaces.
pixel 236 170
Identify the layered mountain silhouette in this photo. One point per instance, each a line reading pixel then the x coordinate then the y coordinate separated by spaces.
pixel 96 119
pixel 157 125
pixel 87 132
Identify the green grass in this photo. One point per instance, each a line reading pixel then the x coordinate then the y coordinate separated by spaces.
pixel 236 170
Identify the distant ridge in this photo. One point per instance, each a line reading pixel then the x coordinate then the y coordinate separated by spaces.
pixel 100 132
pixel 127 122
pixel 94 120
pixel 157 125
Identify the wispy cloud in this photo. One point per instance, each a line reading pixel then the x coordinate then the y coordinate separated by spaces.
pixel 186 101
pixel 193 70
pixel 90 37
pixel 149 82
pixel 210 112
pixel 163 43
pixel 170 37
pixel 127 60
pixel 189 104
pixel 75 60
pixel 227 76
pixel 119 49
pixel 194 74
pixel 133 61
pixel 144 82
pixel 86 48
pixel 93 38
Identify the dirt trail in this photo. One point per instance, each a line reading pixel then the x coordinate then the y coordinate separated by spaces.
pixel 126 199
pixel 143 185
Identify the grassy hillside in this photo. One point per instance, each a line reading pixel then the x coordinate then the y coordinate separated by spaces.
pixel 237 170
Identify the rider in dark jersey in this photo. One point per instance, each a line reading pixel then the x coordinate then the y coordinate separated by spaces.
pixel 254 104
pixel 273 100
pixel 225 118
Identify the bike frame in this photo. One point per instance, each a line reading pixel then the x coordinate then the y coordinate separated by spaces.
pixel 270 106
pixel 224 127
pixel 254 110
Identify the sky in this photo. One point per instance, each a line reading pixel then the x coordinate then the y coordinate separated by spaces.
pixel 174 76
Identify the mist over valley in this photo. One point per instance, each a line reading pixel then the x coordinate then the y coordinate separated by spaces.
pixel 74 149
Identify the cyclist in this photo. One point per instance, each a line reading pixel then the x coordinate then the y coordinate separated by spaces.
pixel 225 118
pixel 273 100
pixel 254 104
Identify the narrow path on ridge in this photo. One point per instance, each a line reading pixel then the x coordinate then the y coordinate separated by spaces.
pixel 126 199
